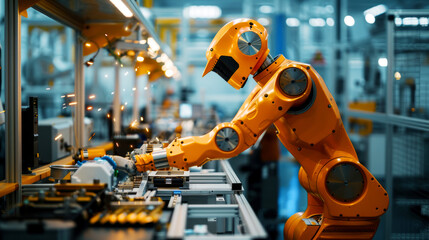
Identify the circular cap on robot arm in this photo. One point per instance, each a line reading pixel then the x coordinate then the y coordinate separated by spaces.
pixel 238 50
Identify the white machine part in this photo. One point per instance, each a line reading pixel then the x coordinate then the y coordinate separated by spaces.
pixel 55 134
pixel 97 169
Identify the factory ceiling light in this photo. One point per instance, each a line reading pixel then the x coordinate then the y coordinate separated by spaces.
pixel 292 22
pixel 382 62
pixel 122 8
pixel 317 22
pixel 369 18
pixel 266 9
pixel 204 11
pixel 330 22
pixel 375 11
pixel 349 21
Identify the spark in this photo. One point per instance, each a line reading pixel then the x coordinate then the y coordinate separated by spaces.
pixel 106 76
pixel 58 137
pixel 108 115
pixel 126 73
pixel 88 44
pixel 48 88
pixel 89 108
pixel 92 135
pixel 112 93
pixel 3 111
pixel 99 109
pixel 134 88
pixel 157 139
pixel 117 144
pixel 134 123
pixel 72 103
pixel 136 69
pixel 71 95
pixel 126 103
pixel 147 129
pixel 63 96
pixel 122 108
pixel 145 88
pixel 141 119
pixel 92 96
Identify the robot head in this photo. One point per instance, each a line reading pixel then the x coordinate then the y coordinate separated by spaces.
pixel 238 50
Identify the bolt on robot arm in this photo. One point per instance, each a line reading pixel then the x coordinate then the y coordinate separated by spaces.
pixel 344 198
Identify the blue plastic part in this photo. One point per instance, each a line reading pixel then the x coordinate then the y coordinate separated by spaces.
pixel 177 192
pixel 108 159
pixel 79 163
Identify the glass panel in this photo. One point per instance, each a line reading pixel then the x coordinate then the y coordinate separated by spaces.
pixel 47 78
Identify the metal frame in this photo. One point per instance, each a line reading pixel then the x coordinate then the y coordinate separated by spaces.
pixel 389 118
pixel 79 90
pixel 215 190
pixel 116 118
pixel 13 98
pixel 389 125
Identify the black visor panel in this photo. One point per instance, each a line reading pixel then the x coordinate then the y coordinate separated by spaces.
pixel 225 67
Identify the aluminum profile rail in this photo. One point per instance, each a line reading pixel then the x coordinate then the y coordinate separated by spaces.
pixel 147 25
pixel 402 121
pixel 178 222
pixel 58 12
pixel 231 177
pixel 250 221
pixel 212 210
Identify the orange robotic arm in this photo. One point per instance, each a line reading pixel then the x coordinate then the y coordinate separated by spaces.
pixel 263 107
pixel 344 199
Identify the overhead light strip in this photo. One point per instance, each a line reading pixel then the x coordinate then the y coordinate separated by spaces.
pixel 122 8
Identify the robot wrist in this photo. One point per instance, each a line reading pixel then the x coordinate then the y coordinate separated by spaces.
pixel 160 159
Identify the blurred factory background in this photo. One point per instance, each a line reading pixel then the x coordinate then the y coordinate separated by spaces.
pixel 372 54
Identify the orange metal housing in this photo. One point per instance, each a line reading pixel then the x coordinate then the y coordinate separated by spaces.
pixel 225 44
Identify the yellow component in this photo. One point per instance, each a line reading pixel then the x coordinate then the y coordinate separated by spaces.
pixel 178 131
pixel 99 33
pixel 148 66
pixel 142 217
pixel 122 217
pixel 89 153
pixel 148 3
pixel 167 21
pixel 114 216
pixel 95 218
pixel 364 125
pixel 132 217
pixel 105 218
pixel 294 97
pixel 155 75
pixel 23 5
